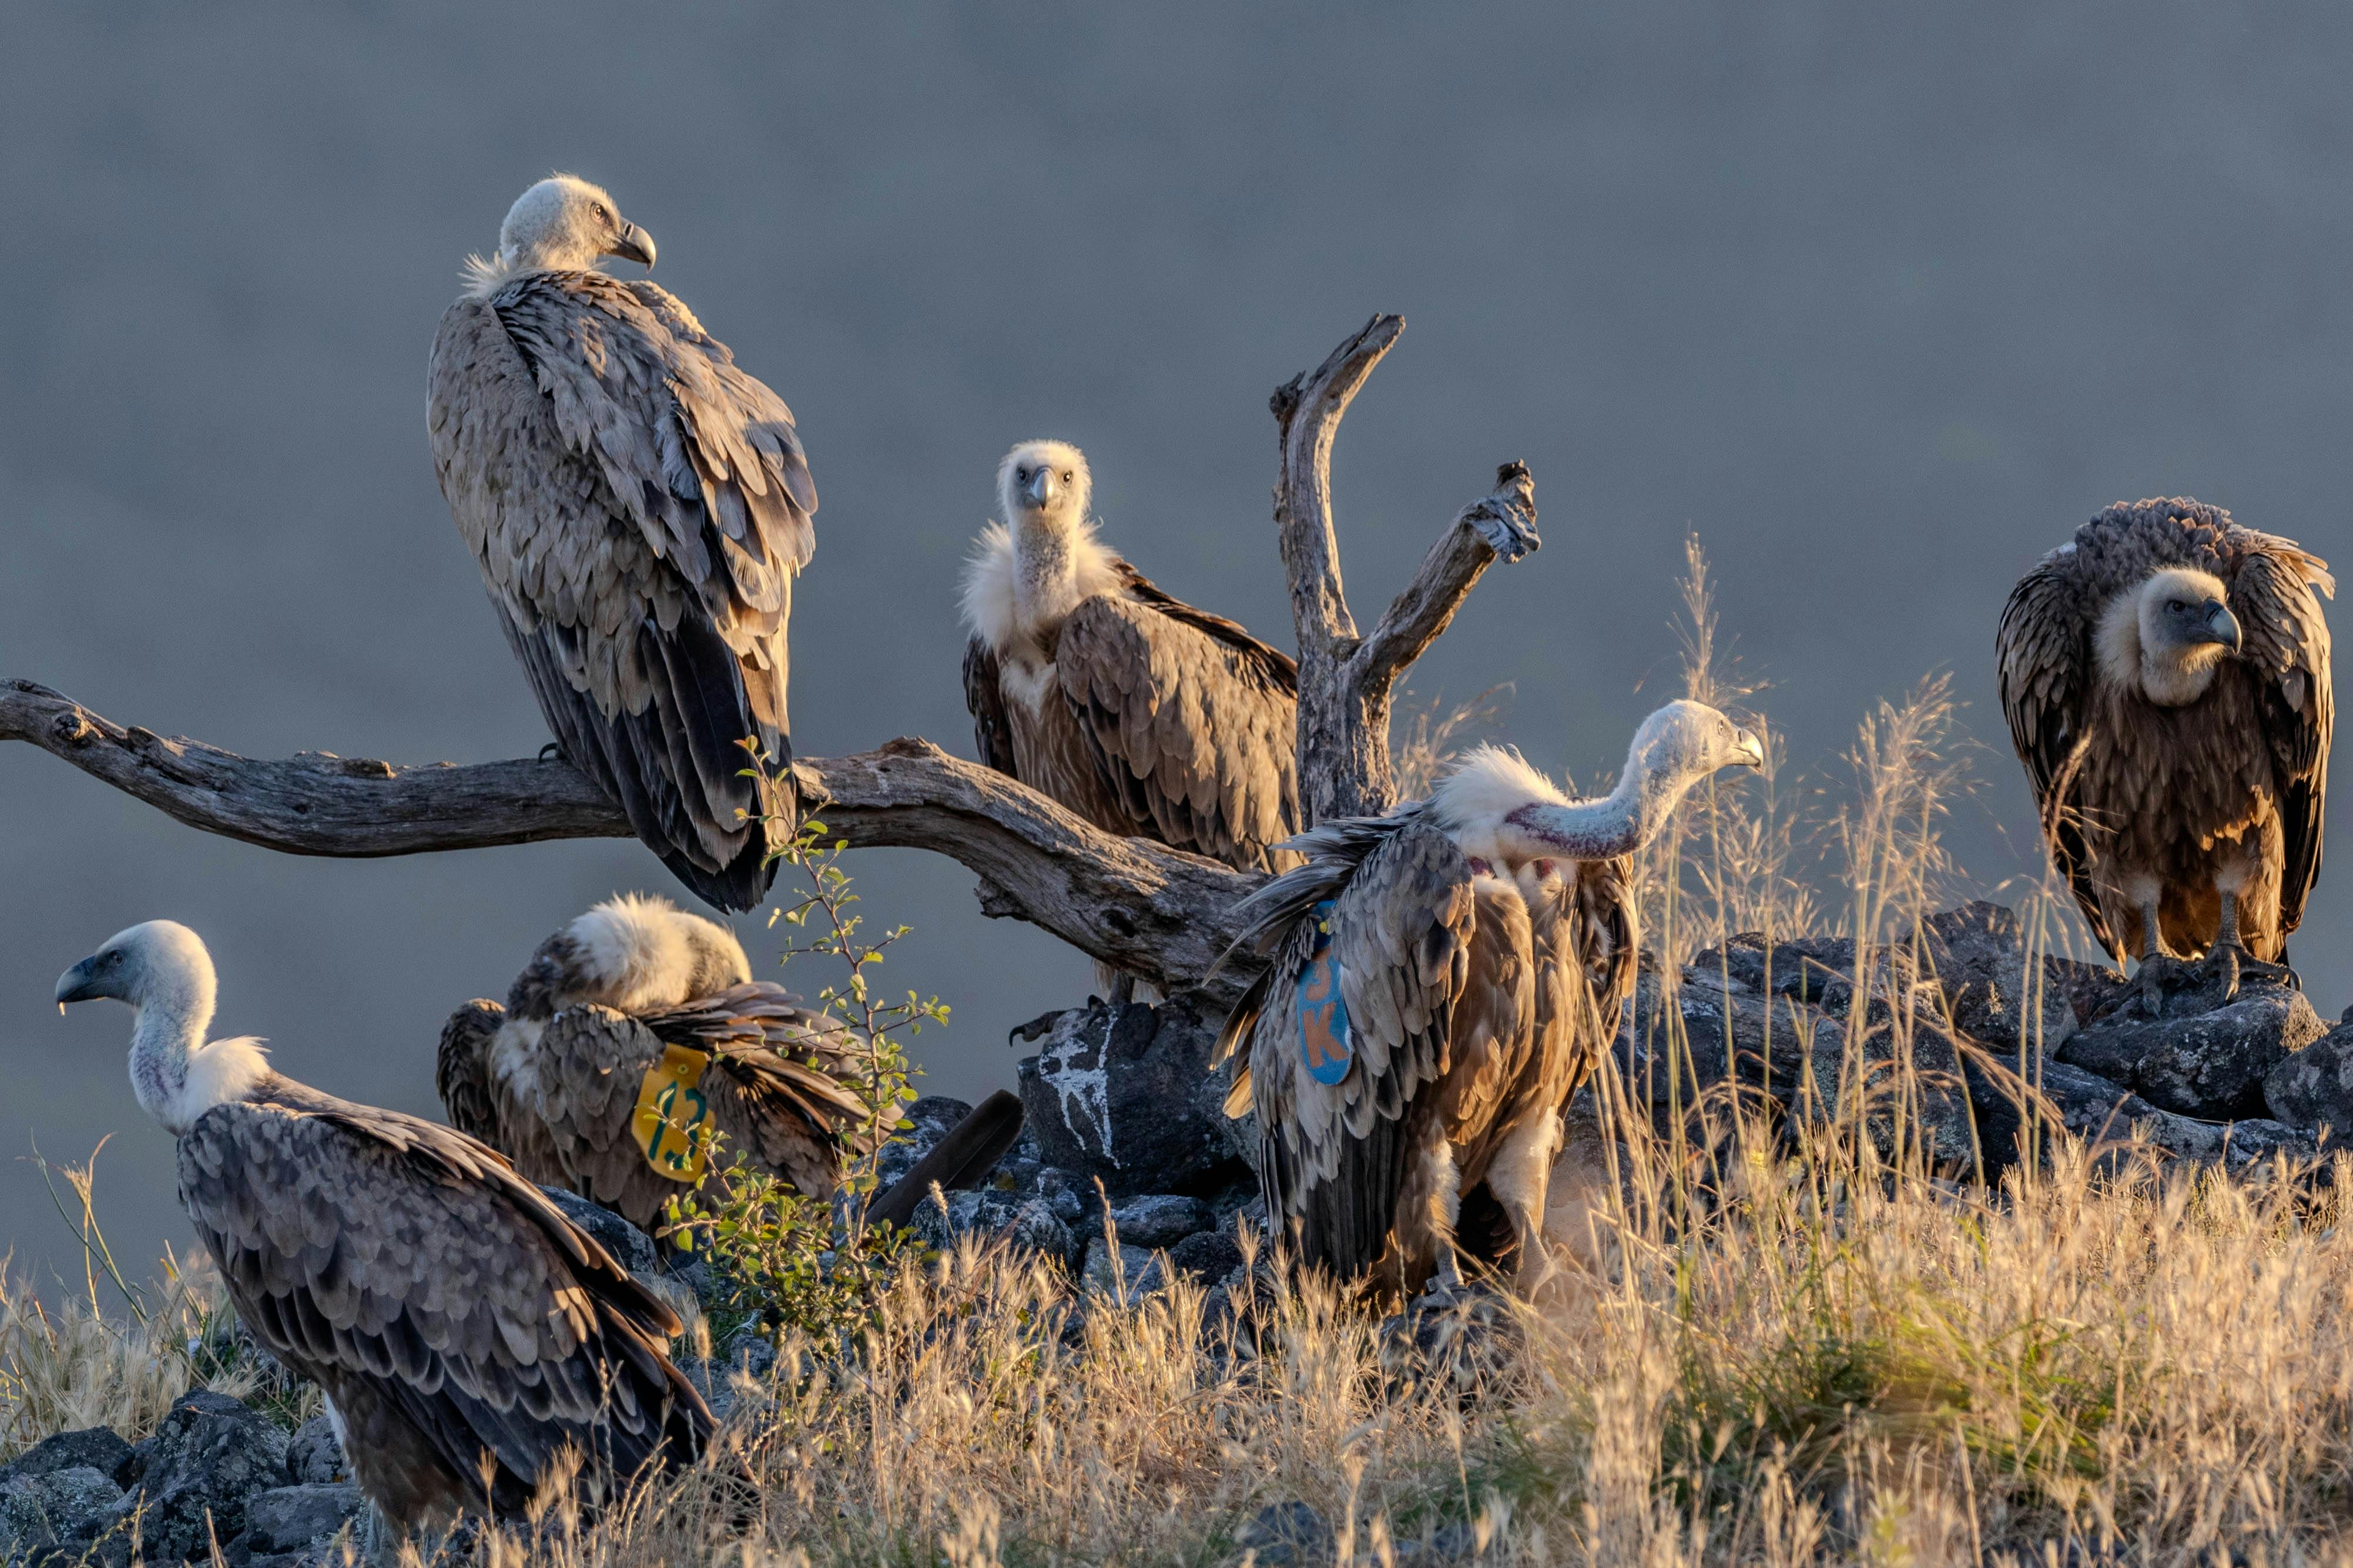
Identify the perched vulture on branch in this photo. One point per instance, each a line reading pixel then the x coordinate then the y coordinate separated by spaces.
pixel 632 1035
pixel 2166 678
pixel 1146 716
pixel 639 508
pixel 1420 1028
pixel 470 1340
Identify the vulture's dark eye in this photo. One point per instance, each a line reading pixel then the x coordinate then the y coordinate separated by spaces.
pixel 1066 476
pixel 2176 606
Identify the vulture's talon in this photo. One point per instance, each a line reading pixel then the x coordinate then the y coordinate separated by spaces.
pixel 552 752
pixel 2159 974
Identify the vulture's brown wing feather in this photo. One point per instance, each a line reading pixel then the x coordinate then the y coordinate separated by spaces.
pixel 777 1082
pixel 394 1259
pixel 1334 1156
pixel 2285 637
pixel 1607 939
pixel 2044 655
pixel 984 694
pixel 461 1071
pixel 638 506
pixel 1193 732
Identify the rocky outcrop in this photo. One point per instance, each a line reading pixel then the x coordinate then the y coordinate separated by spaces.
pixel 2209 1062
pixel 1124 1095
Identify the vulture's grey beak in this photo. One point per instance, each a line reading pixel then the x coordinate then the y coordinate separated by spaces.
pixel 79 984
pixel 2220 625
pixel 1747 750
pixel 1040 491
pixel 635 245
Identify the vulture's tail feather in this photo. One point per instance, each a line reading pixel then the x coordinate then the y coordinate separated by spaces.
pixel 961 1160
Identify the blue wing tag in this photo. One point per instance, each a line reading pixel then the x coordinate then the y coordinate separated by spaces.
pixel 1324 1045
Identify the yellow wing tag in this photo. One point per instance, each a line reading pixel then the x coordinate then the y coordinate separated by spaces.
pixel 673 1117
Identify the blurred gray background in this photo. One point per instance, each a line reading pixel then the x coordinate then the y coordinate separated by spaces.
pixel 1882 302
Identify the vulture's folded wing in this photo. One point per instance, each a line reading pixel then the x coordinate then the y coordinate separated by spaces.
pixel 361 1244
pixel 2276 596
pixel 1192 722
pixel 1609 932
pixel 592 1062
pixel 638 506
pixel 777 1082
pixel 2044 666
pixel 461 1071
pixel 1401 932
pixel 984 695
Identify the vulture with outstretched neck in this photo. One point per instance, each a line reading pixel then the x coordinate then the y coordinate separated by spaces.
pixel 631 1036
pixel 2166 678
pixel 1420 1027
pixel 470 1340
pixel 639 506
pixel 1146 716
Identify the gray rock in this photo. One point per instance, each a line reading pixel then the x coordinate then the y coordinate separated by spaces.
pixel 100 1449
pixel 1029 1222
pixel 314 1457
pixel 296 1518
pixel 210 1455
pixel 630 1247
pixel 1977 954
pixel 1124 1095
pixel 1289 1535
pixel 934 1116
pixel 1162 1220
pixel 1139 1271
pixel 44 1507
pixel 1213 1255
pixel 2212 1065
pixel 2313 1086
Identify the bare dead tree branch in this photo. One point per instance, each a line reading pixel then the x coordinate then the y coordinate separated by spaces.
pixel 1345 682
pixel 1151 911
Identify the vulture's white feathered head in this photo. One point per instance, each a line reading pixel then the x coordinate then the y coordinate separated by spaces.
pixel 2167 635
pixel 562 224
pixel 1685 742
pixel 637 953
pixel 1044 484
pixel 161 964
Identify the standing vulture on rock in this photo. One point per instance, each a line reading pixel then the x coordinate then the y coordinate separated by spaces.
pixel 638 1003
pixel 2165 679
pixel 639 508
pixel 1146 716
pixel 1414 1039
pixel 470 1340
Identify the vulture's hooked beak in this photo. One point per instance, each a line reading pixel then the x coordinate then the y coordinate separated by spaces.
pixel 1747 750
pixel 2220 626
pixel 79 984
pixel 634 245
pixel 1039 490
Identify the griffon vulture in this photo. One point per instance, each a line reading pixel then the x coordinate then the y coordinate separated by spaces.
pixel 2165 679
pixel 632 1035
pixel 639 506
pixel 1415 1038
pixel 1146 716
pixel 468 1337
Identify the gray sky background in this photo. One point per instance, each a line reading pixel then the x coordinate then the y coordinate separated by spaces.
pixel 1882 302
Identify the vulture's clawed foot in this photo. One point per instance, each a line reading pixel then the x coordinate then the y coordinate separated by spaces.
pixel 552 752
pixel 2235 966
pixel 2161 974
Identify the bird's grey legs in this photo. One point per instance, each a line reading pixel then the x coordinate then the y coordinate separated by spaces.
pixel 2229 956
pixel 1520 1178
pixel 2157 965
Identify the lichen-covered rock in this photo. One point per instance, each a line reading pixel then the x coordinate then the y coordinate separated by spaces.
pixel 47 1506
pixel 1288 1535
pixel 933 1118
pixel 630 1248
pixel 210 1455
pixel 1137 1272
pixel 298 1518
pixel 1124 1095
pixel 314 1456
pixel 2313 1086
pixel 1162 1219
pixel 100 1449
pixel 1211 1254
pixel 2212 1065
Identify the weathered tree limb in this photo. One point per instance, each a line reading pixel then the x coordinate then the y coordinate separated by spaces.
pixel 1345 681
pixel 1151 911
